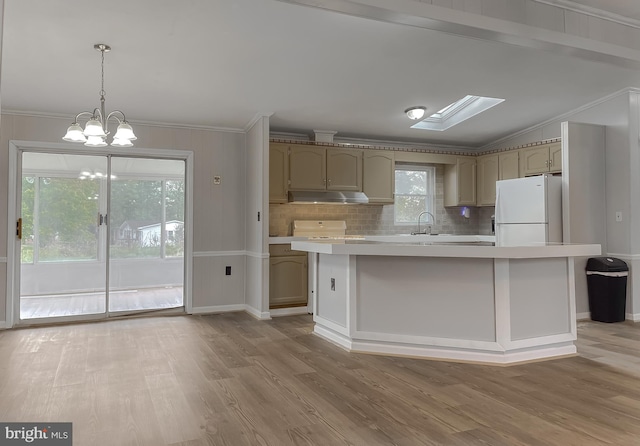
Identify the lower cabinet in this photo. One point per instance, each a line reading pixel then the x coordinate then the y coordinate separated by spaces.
pixel 288 277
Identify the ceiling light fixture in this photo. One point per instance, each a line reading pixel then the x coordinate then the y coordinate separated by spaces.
pixel 96 130
pixel 415 112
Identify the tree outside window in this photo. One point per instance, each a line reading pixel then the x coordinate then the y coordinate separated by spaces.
pixel 415 192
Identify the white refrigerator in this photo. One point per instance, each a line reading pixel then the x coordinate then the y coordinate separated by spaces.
pixel 529 211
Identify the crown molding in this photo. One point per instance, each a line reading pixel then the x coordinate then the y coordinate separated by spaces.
pixel 30 114
pixel 591 11
pixel 491 146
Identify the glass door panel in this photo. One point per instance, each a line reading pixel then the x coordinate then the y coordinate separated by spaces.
pixel 63 268
pixel 146 234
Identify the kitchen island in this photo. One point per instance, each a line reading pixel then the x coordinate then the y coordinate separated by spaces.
pixel 468 301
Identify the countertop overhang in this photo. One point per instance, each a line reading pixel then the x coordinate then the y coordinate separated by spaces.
pixel 444 249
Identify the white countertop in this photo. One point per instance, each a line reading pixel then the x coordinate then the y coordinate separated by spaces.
pixel 444 248
pixel 399 238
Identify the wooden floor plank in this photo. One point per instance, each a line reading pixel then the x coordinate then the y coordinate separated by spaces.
pixel 232 380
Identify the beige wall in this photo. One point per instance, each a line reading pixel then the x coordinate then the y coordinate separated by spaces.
pixel 218 211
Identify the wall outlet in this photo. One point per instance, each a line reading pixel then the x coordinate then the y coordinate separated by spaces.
pixel 217 179
pixel 227 271
pixel 618 216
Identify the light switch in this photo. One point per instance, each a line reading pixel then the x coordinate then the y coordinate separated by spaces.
pixel 618 216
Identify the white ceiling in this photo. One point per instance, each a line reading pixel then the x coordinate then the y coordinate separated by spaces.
pixel 220 62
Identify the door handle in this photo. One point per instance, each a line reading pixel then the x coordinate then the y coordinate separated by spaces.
pixel 19 229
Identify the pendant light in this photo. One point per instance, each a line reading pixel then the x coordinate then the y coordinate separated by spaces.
pixel 96 129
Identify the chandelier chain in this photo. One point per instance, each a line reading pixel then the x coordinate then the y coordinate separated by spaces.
pixel 102 92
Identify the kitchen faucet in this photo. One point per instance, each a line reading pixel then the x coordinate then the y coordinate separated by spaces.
pixel 419 217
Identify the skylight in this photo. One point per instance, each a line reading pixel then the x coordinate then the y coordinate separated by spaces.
pixel 459 111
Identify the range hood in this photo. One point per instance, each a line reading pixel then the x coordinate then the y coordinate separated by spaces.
pixel 327 197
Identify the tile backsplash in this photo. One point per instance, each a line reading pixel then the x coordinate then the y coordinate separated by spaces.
pixel 378 219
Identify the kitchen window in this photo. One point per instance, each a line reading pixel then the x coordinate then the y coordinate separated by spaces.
pixel 415 192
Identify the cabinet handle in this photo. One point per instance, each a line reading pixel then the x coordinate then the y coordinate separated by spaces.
pixel 329 181
pixel 551 162
pixel 546 163
pixel 324 180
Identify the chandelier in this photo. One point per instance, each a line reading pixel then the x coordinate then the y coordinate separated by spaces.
pixel 96 129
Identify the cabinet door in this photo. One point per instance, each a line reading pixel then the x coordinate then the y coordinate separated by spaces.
pixel 378 176
pixel 466 182
pixel 344 169
pixel 536 160
pixel 287 281
pixel 307 168
pixel 555 157
pixel 508 165
pixel 487 177
pixel 278 173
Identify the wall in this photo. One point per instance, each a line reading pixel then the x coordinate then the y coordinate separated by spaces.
pixel 218 239
pixel 257 175
pixel 378 219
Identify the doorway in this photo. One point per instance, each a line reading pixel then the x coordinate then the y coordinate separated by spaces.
pixel 101 235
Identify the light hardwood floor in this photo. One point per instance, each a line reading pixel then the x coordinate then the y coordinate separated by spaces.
pixel 232 380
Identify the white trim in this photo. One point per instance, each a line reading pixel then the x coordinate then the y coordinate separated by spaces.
pixel 260 315
pixel 293 311
pixel 330 325
pixel 217 309
pixel 219 253
pixel 336 338
pixel 258 116
pixel 33 114
pixel 563 117
pixel 502 306
pixel 623 256
pixel 419 341
pixel 450 354
pixel 570 5
pixel 257 255
pixel 540 340
pixel 187 286
pixel 632 317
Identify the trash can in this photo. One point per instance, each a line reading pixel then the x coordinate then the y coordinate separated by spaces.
pixel 607 288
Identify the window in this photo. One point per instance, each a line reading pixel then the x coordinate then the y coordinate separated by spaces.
pixel 415 191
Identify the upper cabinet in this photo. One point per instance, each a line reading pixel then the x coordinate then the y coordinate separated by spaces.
pixel 460 182
pixel 542 159
pixel 344 169
pixel 378 178
pixel 278 173
pixel 319 168
pixel 487 170
pixel 509 165
pixel 307 168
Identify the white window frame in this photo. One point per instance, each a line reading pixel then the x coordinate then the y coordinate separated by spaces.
pixel 429 197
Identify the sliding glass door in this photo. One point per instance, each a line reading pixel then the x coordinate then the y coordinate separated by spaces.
pixel 62 253
pixel 146 229
pixel 100 235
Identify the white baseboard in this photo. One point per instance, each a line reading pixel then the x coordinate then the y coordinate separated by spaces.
pixel 289 311
pixel 632 317
pixel 447 354
pixel 218 309
pixel 261 315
